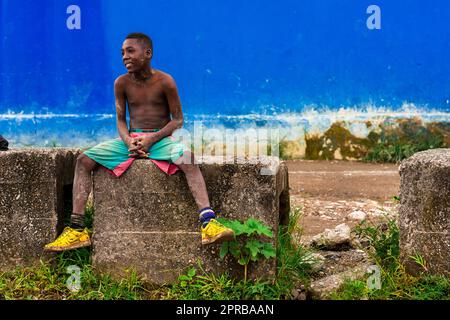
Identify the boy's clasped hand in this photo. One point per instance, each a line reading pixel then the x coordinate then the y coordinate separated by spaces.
pixel 139 145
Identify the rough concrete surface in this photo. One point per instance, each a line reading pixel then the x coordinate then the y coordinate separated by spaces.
pixel 32 196
pixel 425 210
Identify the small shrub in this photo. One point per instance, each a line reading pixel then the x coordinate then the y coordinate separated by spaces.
pixel 383 241
pixel 251 248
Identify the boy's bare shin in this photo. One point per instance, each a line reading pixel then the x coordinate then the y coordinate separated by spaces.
pixel 197 185
pixel 194 179
pixel 82 183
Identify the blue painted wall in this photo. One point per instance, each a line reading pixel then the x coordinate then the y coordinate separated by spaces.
pixel 228 57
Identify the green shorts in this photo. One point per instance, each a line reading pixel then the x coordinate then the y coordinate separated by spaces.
pixel 114 155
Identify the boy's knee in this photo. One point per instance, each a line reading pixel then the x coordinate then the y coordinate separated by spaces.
pixel 187 162
pixel 85 161
pixel 187 167
pixel 186 159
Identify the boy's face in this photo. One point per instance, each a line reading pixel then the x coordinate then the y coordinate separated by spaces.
pixel 134 56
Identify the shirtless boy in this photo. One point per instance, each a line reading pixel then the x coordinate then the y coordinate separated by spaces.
pixel 155 113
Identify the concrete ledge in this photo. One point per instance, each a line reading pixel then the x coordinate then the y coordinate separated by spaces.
pixel 425 210
pixel 32 186
pixel 147 221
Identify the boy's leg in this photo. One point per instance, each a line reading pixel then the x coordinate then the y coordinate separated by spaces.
pixel 194 179
pixel 82 185
pixel 111 154
pixel 76 236
pixel 212 231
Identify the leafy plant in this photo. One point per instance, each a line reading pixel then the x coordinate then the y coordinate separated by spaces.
pixel 187 278
pixel 383 241
pixel 250 248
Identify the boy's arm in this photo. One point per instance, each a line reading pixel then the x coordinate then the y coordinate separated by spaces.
pixel 119 93
pixel 173 99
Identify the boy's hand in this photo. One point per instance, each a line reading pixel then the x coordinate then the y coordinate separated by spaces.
pixel 132 144
pixel 144 143
pixel 139 154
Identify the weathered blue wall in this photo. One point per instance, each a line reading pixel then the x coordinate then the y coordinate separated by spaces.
pixel 228 57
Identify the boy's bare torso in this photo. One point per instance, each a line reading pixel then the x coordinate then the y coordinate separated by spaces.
pixel 147 101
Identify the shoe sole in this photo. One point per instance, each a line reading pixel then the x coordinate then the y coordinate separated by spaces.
pixel 222 237
pixel 77 245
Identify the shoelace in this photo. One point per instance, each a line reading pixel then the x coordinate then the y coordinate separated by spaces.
pixel 65 238
pixel 214 227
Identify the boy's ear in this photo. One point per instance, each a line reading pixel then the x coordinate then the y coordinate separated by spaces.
pixel 149 53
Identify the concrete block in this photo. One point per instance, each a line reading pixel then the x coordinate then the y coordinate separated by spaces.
pixel 425 210
pixel 33 185
pixel 148 221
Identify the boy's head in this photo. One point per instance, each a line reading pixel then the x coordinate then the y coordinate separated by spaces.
pixel 137 51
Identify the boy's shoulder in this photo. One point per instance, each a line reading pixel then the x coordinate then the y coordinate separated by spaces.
pixel 166 79
pixel 164 76
pixel 121 80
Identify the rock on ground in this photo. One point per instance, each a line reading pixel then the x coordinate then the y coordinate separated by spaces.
pixel 357 215
pixel 321 288
pixel 333 239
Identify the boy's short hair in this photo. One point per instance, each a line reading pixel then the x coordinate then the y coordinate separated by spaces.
pixel 142 38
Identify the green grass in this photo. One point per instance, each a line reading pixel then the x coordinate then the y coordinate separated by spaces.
pixel 200 285
pixel 396 283
pixel 48 281
pixel 294 262
pixel 383 242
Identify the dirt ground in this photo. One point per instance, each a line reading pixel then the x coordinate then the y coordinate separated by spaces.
pixel 328 191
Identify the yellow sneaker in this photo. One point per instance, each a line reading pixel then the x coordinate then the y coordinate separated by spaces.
pixel 216 232
pixel 70 239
